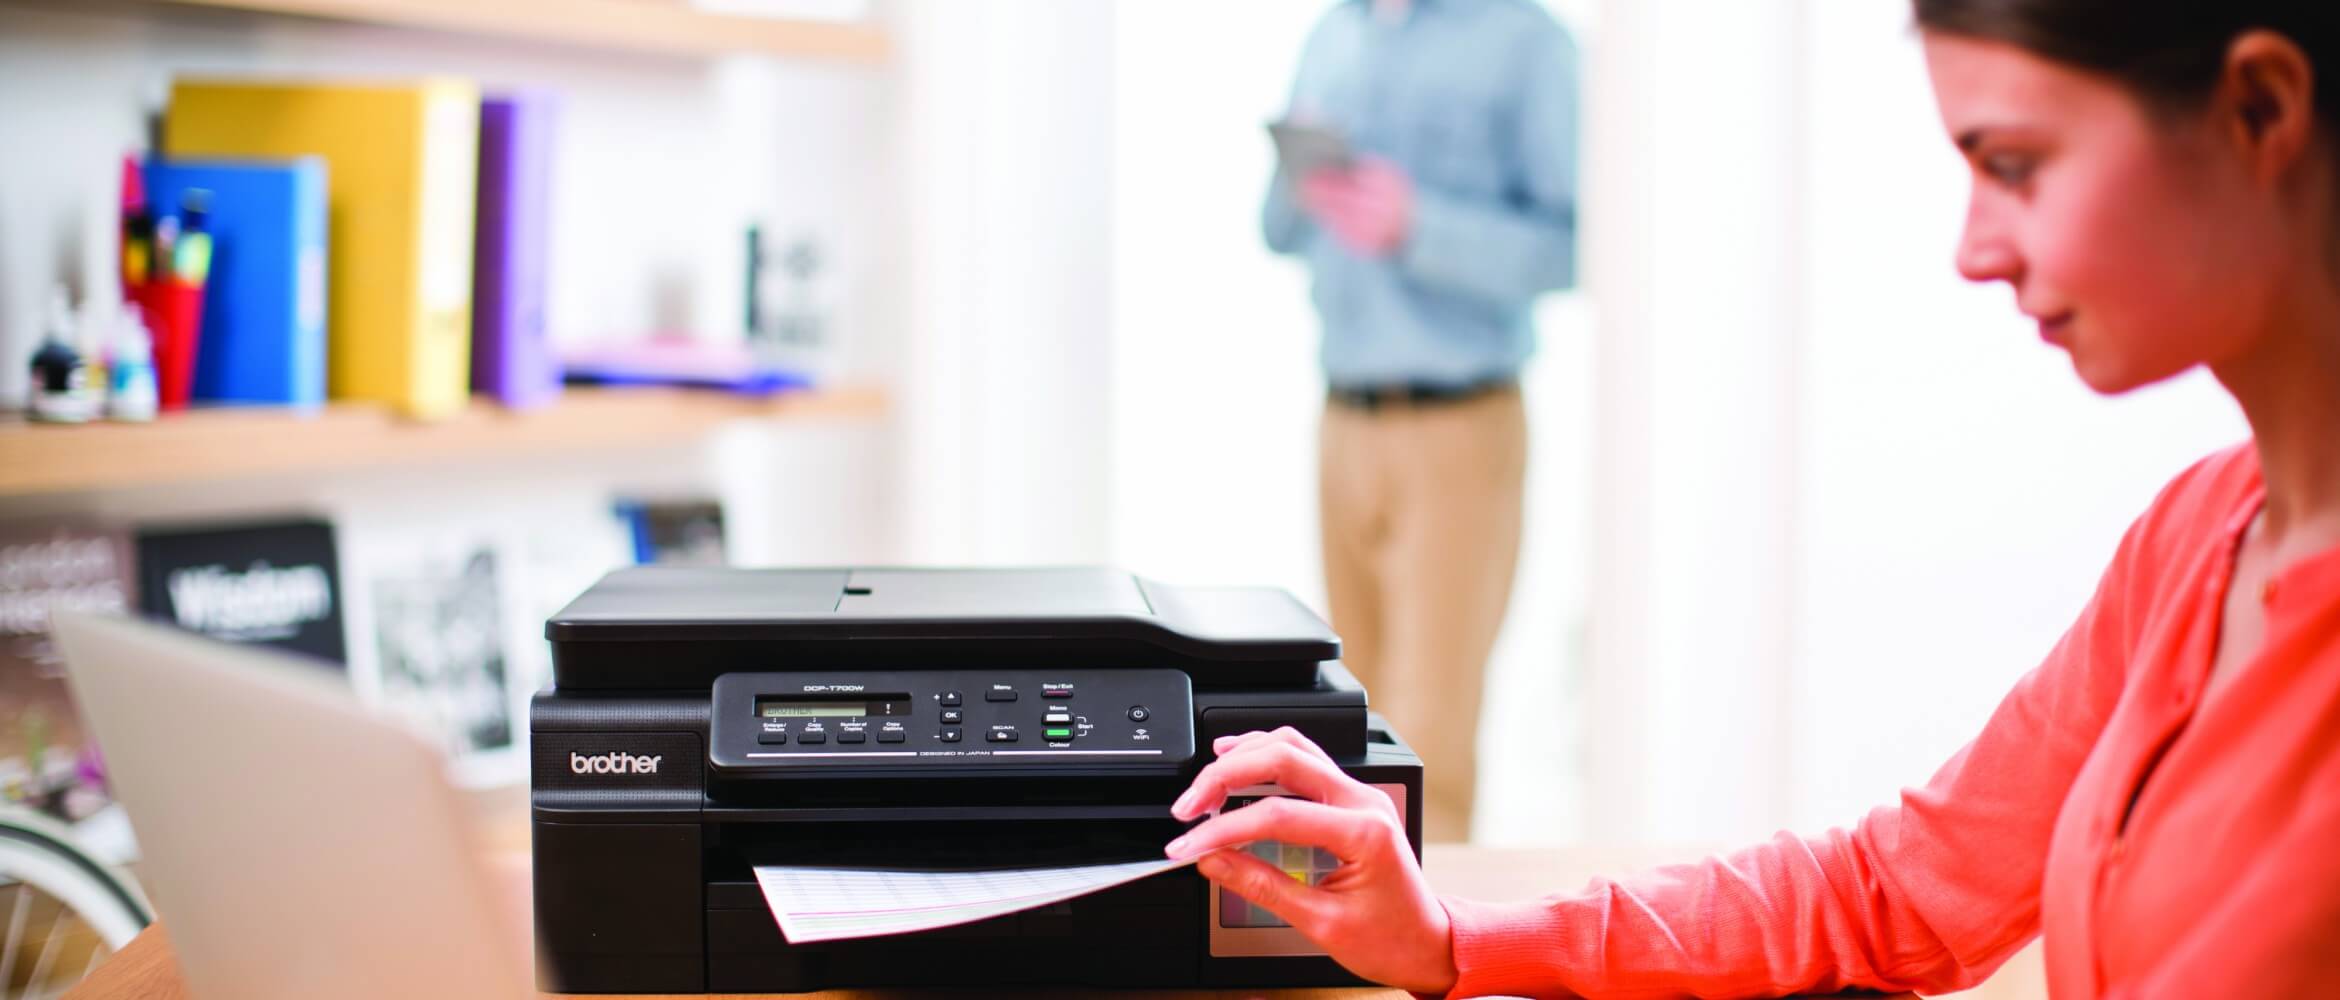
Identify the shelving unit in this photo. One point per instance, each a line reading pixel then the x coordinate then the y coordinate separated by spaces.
pixel 229 443
pixel 657 26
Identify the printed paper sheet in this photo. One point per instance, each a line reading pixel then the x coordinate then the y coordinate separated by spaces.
pixel 828 904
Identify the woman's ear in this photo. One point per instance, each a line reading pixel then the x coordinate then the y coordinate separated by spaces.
pixel 2266 98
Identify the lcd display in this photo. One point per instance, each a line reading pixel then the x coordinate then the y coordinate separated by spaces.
pixel 859 705
pixel 814 709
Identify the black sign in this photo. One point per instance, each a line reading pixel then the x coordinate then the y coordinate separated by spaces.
pixel 275 584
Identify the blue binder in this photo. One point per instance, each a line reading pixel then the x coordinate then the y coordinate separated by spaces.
pixel 263 335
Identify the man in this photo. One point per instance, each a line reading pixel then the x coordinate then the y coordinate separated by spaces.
pixel 1428 250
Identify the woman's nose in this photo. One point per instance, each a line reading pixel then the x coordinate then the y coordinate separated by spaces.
pixel 1984 251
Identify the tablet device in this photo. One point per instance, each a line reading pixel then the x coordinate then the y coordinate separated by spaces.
pixel 1302 149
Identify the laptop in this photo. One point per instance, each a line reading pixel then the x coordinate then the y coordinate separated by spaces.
pixel 295 844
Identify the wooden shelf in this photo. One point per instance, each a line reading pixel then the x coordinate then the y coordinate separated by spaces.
pixel 230 443
pixel 667 27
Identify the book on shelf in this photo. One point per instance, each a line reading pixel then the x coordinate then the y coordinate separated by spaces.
pixel 263 331
pixel 402 160
pixel 511 351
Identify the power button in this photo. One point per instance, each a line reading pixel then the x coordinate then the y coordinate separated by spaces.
pixel 1138 713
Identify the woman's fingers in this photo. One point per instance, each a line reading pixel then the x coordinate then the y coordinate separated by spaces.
pixel 1291 900
pixel 1307 773
pixel 1353 835
pixel 1225 745
pixel 1374 914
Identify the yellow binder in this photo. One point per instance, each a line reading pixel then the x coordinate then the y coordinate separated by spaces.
pixel 402 161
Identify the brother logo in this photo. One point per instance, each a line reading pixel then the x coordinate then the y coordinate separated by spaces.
pixel 613 762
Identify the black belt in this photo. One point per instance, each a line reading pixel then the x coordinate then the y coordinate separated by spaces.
pixel 1370 398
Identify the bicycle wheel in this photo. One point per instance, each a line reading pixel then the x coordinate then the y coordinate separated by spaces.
pixel 62 910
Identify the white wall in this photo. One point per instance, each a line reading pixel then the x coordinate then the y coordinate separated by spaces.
pixel 1960 489
pixel 1217 389
pixel 1006 280
pixel 1692 223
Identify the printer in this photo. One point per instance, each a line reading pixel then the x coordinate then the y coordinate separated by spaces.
pixel 703 722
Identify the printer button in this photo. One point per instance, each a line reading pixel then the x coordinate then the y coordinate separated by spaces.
pixel 810 738
pixel 1000 692
pixel 1057 691
pixel 1138 713
pixel 950 699
pixel 853 736
pixel 951 735
pixel 891 735
pixel 772 739
pixel 1001 736
pixel 952 717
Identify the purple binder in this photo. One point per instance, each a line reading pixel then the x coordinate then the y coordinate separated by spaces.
pixel 511 353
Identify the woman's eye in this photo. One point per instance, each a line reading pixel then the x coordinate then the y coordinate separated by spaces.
pixel 2007 168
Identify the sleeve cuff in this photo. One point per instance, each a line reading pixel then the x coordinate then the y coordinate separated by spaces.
pixel 1510 948
pixel 1433 238
pixel 1504 258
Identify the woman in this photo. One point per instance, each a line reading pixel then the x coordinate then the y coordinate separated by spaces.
pixel 2159 182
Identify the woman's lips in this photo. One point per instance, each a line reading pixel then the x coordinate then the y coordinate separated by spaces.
pixel 2056 329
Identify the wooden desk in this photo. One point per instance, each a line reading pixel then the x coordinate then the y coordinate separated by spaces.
pixel 147 969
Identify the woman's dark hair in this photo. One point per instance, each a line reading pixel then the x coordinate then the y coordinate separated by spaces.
pixel 2169 51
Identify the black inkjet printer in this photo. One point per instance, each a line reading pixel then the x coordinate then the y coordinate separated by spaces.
pixel 703 722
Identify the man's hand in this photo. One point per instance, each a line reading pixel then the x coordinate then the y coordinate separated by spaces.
pixel 1375 915
pixel 1369 207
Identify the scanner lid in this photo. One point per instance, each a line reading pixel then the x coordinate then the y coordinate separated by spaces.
pixel 1004 611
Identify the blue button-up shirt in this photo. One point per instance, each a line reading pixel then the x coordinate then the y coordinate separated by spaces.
pixel 1476 101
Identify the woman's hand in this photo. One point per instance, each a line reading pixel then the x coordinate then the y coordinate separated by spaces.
pixel 1375 915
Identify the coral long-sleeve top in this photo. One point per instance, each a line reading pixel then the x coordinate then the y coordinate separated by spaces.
pixel 2166 846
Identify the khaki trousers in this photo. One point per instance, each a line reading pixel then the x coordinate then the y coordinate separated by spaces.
pixel 1421 509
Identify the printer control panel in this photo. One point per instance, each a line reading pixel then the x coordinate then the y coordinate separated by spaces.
pixel 975 716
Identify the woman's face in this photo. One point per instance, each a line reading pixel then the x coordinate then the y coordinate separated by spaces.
pixel 2138 242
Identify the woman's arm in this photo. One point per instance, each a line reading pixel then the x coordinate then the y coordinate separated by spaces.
pixel 1931 893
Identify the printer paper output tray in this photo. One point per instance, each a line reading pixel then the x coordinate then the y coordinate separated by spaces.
pixel 703 722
